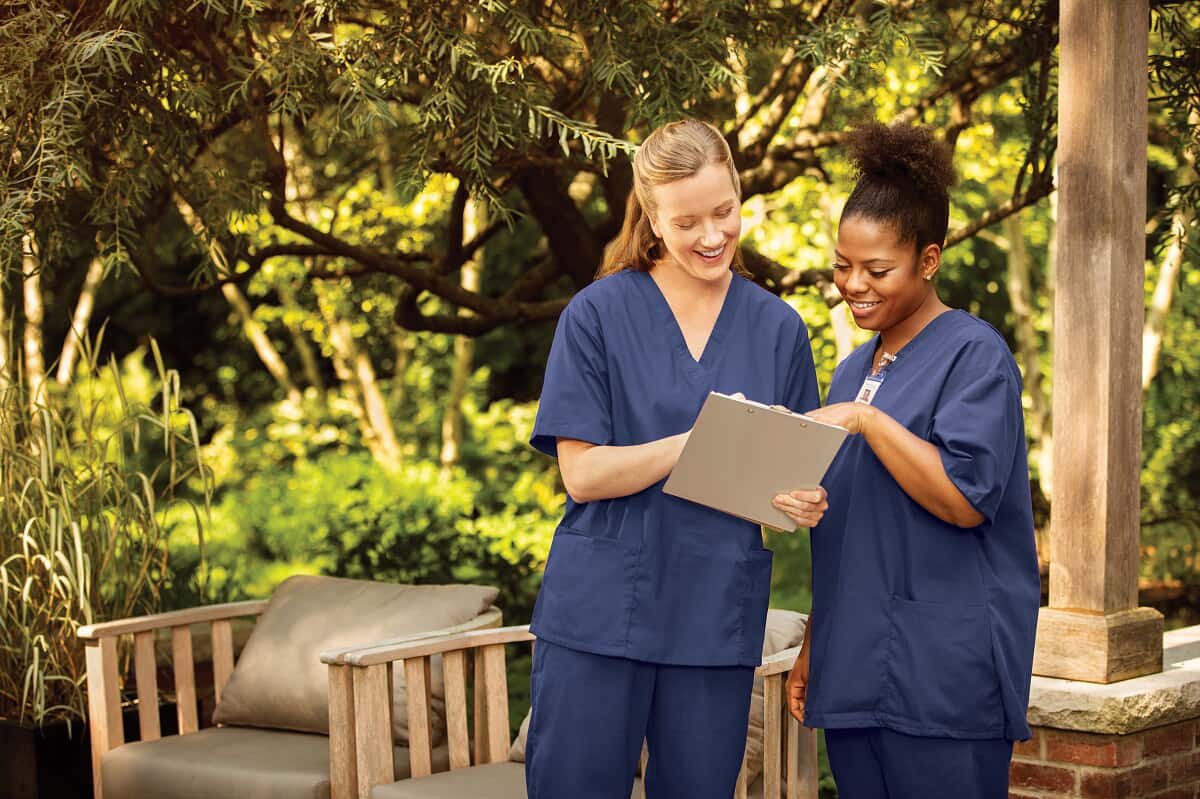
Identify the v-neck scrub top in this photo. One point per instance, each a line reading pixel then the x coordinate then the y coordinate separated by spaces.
pixel 920 626
pixel 649 576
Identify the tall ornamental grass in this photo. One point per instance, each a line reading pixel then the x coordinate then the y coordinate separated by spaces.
pixel 87 476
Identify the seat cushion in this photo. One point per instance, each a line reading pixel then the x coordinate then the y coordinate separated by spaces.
pixel 232 763
pixel 493 781
pixel 280 682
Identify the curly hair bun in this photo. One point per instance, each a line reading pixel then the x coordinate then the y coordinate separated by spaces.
pixel 902 154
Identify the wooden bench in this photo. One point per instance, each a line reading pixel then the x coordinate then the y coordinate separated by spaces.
pixel 478 735
pixel 104 686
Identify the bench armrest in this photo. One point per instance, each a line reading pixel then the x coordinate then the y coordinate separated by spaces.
pixel 174 618
pixel 491 618
pixel 376 654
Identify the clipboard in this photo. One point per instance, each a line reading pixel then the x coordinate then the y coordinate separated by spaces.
pixel 742 453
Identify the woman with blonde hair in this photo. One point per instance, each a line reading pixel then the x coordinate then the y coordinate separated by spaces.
pixel 651 613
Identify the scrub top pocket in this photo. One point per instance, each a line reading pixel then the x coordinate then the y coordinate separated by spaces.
pixel 586 591
pixel 756 596
pixel 941 671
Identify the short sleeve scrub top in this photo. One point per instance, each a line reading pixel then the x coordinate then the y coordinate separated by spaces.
pixel 649 576
pixel 920 626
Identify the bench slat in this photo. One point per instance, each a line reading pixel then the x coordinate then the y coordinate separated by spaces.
pixel 416 681
pixel 185 679
pixel 146 675
pixel 454 667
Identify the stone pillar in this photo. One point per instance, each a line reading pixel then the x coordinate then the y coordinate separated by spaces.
pixel 1093 629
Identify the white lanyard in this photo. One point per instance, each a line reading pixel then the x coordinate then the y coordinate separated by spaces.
pixel 870 386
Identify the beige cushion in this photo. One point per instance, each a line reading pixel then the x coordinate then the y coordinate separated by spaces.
pixel 785 629
pixel 231 763
pixel 493 781
pixel 280 681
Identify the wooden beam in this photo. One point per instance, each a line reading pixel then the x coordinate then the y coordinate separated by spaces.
pixel 1094 552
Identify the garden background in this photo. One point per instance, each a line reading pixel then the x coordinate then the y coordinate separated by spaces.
pixel 280 277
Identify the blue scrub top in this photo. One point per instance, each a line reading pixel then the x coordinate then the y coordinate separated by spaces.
pixel 650 576
pixel 920 626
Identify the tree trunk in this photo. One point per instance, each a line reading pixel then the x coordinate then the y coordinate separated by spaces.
pixel 35 363
pixel 79 322
pixel 262 343
pixel 474 220
pixel 1168 276
pixel 1020 295
pixel 839 315
pixel 308 356
pixel 1164 294
pixel 354 369
pixel 843 330
pixel 404 350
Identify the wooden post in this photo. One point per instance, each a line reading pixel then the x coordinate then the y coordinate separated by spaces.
pixel 343 774
pixel 104 704
pixel 1093 629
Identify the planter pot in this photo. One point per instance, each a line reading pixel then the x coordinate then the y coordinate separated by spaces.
pixel 54 761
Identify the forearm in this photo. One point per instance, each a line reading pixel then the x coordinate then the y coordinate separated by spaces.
pixel 593 473
pixel 917 466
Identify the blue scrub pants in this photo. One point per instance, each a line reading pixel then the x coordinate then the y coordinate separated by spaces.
pixel 591 713
pixel 878 763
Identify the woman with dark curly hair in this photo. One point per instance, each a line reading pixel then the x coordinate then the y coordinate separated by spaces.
pixel 919 652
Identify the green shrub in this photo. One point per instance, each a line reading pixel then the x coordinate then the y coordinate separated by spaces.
pixel 343 515
pixel 87 479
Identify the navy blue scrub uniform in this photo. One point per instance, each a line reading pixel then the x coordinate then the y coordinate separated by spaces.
pixel 922 632
pixel 651 612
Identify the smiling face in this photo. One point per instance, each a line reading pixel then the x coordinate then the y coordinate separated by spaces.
pixel 699 222
pixel 883 280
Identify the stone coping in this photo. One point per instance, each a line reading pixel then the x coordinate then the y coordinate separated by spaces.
pixel 1130 705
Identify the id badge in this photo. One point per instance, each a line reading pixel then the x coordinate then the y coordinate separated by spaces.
pixel 870 386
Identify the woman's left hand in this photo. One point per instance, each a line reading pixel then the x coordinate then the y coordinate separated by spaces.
pixel 854 416
pixel 803 506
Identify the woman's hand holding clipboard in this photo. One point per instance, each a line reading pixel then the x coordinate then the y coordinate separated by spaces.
pixel 757 462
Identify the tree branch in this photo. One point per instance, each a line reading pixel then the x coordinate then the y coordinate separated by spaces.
pixel 779 280
pixel 1002 212
pixel 783 94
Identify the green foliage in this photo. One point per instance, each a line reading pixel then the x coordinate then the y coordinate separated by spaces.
pixel 298 493
pixel 88 479
pixel 343 515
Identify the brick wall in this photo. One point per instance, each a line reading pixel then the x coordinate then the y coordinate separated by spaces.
pixel 1159 763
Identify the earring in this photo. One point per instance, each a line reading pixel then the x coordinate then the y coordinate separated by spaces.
pixel 929 277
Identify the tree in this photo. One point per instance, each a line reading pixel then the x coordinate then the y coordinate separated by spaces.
pixel 113 108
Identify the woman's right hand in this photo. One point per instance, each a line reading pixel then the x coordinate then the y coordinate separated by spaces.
pixel 796 690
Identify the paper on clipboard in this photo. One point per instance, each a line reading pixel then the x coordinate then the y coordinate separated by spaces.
pixel 742 453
